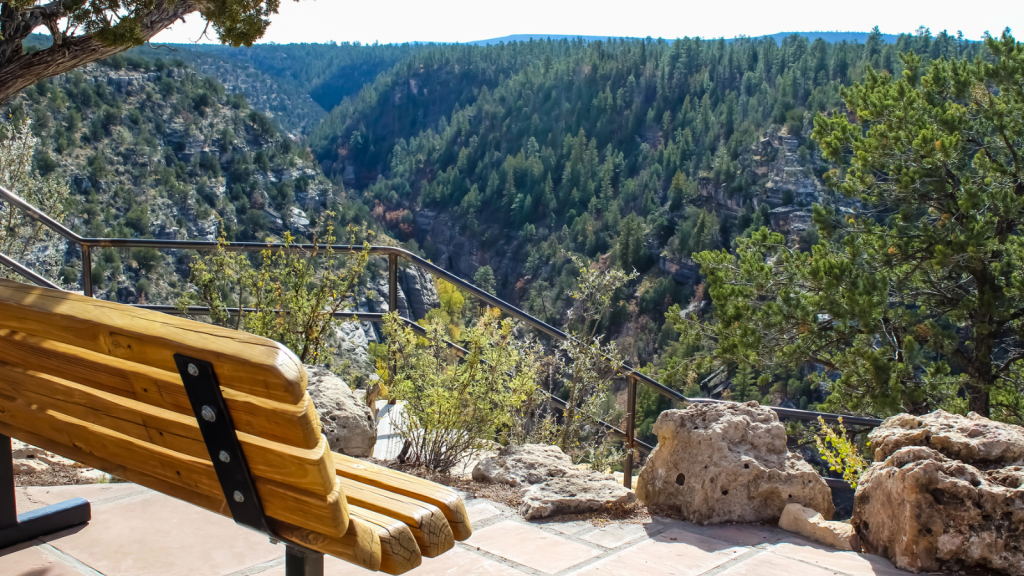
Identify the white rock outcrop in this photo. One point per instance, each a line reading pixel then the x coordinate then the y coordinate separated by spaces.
pixel 552 484
pixel 728 463
pixel 347 422
pixel 578 492
pixel 518 465
pixel 946 493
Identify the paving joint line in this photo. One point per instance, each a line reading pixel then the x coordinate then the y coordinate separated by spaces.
pixel 67 559
pixel 259 568
pixel 741 558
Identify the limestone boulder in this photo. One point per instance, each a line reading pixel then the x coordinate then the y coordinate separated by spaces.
pixel 927 512
pixel 353 347
pixel 972 438
pixel 524 465
pixel 810 524
pixel 728 463
pixel 575 493
pixel 347 422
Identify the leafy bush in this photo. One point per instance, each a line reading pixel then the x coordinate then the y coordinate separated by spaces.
pixel 840 452
pixel 453 408
pixel 309 287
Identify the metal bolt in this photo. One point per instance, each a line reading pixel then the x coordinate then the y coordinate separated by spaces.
pixel 224 456
pixel 193 370
pixel 239 497
pixel 209 414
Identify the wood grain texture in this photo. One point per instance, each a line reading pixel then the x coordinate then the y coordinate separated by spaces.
pixel 446 499
pixel 326 514
pixel 427 523
pixel 243 362
pixel 292 424
pixel 361 544
pixel 310 470
pixel 399 552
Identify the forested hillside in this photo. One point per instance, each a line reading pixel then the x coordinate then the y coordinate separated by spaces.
pixel 635 152
pixel 497 162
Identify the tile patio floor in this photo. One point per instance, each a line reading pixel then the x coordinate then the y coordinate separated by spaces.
pixel 138 532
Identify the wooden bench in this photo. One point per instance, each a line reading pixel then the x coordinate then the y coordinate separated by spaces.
pixel 212 416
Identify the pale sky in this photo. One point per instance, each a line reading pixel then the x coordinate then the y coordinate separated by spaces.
pixel 388 21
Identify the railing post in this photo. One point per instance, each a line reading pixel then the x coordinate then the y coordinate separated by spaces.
pixel 627 469
pixel 392 282
pixel 86 270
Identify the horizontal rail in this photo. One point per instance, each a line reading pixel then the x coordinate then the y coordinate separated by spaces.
pixel 20 269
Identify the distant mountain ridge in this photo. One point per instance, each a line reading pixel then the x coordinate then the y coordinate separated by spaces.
pixel 834 36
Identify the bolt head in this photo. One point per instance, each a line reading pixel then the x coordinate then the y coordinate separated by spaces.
pixel 209 414
pixel 239 497
pixel 193 370
pixel 224 456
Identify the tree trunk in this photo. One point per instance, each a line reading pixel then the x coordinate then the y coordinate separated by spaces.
pixel 19 71
pixel 978 399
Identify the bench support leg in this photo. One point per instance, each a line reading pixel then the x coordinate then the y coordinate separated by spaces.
pixel 17 528
pixel 302 562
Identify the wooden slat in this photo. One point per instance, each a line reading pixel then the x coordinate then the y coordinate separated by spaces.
pixel 295 425
pixel 443 497
pixel 310 470
pixel 399 552
pixel 324 514
pixel 243 362
pixel 428 524
pixel 361 545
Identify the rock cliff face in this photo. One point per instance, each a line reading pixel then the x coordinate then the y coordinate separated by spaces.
pixel 728 463
pixel 944 493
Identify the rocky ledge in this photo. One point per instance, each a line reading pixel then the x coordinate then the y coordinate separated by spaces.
pixel 551 484
pixel 945 492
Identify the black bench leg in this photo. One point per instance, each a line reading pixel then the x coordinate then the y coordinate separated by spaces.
pixel 303 562
pixel 17 528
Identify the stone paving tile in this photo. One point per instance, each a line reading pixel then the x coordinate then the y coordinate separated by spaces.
pixel 671 553
pixel 848 562
pixel 770 564
pixel 156 535
pixel 531 546
pixel 481 511
pixel 615 535
pixel 564 527
pixel 742 534
pixel 457 562
pixel 26 560
pixel 39 496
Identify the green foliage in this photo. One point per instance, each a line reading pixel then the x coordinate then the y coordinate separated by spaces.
pixel 294 294
pixel 913 298
pixel 21 238
pixel 484 279
pixel 840 452
pixel 453 409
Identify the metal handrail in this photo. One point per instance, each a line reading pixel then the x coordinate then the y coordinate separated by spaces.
pixel 393 254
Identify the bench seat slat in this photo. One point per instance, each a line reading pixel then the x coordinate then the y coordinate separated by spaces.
pixel 310 470
pixel 325 514
pixel 443 497
pixel 244 362
pixel 292 424
pixel 428 524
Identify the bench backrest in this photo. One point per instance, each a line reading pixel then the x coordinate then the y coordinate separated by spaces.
pixel 98 382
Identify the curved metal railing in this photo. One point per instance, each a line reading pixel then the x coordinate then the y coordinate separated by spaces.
pixel 393 254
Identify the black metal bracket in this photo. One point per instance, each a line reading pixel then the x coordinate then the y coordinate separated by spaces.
pixel 233 473
pixel 17 528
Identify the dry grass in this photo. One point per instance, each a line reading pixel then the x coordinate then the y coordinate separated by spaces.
pixel 54 475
